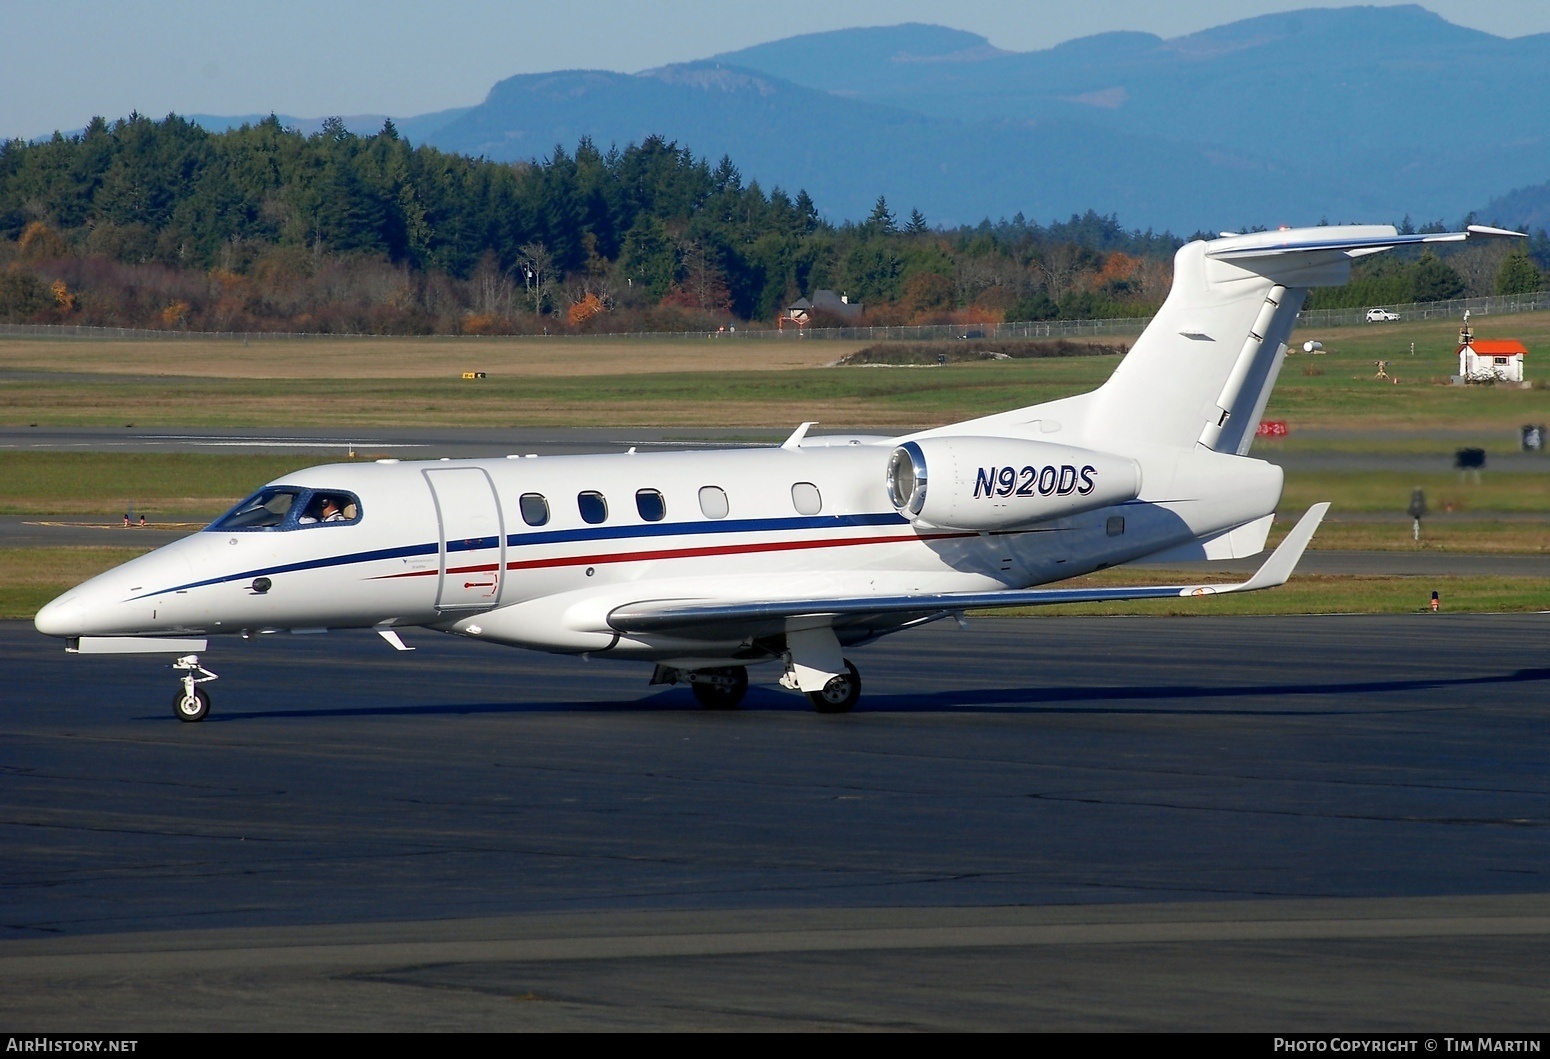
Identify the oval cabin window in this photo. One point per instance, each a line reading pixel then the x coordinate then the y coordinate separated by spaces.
pixel 806 499
pixel 713 501
pixel 593 507
pixel 535 509
pixel 650 504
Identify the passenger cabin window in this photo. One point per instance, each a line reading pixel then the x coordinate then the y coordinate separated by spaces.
pixel 806 499
pixel 713 501
pixel 594 508
pixel 535 509
pixel 651 505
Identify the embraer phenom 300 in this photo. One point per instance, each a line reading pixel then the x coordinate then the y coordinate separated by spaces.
pixel 706 562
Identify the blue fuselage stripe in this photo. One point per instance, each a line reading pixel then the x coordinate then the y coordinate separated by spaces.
pixel 586 534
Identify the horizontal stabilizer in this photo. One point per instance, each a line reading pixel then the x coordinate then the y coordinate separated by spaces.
pixel 693 619
pixel 1266 244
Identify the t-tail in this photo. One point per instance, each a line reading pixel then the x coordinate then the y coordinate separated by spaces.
pixel 1202 372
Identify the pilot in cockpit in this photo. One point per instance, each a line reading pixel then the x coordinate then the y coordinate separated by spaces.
pixel 322 509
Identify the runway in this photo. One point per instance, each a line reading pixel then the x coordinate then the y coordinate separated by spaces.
pixel 1273 823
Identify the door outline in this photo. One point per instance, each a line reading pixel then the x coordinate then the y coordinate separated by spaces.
pixel 465 605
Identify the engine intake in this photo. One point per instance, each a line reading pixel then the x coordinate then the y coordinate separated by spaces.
pixel 1000 483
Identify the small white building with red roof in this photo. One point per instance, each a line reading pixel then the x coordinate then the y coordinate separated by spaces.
pixel 1486 358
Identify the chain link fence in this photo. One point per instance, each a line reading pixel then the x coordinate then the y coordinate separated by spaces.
pixel 1124 326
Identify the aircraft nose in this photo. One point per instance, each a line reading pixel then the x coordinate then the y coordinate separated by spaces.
pixel 61 617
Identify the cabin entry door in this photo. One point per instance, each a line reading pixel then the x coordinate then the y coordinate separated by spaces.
pixel 473 538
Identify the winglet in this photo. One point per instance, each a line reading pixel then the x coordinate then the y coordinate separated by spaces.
pixel 795 440
pixel 1276 569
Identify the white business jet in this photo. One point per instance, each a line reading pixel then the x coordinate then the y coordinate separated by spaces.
pixel 705 562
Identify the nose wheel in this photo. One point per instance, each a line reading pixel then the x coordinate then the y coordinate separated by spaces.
pixel 192 703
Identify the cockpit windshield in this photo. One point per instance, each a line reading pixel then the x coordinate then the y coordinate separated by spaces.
pixel 265 509
pixel 286 507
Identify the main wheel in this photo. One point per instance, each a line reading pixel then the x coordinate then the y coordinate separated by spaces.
pixel 722 696
pixel 191 707
pixel 840 693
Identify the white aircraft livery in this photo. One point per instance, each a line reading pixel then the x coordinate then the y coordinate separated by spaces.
pixel 705 562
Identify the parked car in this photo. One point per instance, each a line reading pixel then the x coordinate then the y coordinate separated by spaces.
pixel 1379 316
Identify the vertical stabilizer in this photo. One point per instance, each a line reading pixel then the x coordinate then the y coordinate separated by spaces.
pixel 1203 371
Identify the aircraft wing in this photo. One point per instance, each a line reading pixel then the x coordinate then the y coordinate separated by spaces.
pixel 694 618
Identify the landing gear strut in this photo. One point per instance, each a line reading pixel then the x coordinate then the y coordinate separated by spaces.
pixel 840 693
pixel 716 688
pixel 719 689
pixel 191 703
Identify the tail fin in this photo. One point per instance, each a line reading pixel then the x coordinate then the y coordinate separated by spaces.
pixel 1202 372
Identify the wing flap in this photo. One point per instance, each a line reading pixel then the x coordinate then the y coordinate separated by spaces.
pixel 686 616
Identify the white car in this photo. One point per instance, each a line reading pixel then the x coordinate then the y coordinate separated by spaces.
pixel 1379 316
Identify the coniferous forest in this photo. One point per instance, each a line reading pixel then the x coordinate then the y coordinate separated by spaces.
pixel 161 224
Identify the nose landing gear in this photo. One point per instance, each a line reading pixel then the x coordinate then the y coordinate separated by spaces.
pixel 191 703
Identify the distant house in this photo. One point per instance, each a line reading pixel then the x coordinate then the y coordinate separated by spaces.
pixel 798 312
pixel 801 311
pixel 1482 359
pixel 826 301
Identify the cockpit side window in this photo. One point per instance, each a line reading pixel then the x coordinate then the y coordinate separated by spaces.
pixel 265 509
pixel 286 507
pixel 328 506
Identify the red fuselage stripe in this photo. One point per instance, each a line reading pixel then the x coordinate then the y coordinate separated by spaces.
pixel 682 553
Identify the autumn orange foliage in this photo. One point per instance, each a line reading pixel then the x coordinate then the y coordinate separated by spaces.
pixel 585 309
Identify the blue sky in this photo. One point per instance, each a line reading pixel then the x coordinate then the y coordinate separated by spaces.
pixel 62 62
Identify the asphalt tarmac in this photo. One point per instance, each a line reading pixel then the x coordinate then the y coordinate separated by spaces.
pixel 1267 824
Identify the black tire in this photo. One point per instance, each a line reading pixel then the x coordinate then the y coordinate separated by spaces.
pixel 840 694
pixel 722 697
pixel 191 708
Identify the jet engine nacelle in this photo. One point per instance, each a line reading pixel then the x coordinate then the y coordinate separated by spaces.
pixel 998 483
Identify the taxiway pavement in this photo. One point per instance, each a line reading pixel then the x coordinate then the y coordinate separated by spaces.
pixel 1260 823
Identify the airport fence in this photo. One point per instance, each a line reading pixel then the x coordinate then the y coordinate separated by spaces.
pixel 1499 305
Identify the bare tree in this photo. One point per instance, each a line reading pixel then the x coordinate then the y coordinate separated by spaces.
pixel 536 267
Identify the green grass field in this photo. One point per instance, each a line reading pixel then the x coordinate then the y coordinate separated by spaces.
pixel 110 483
pixel 1333 397
pixel 1331 391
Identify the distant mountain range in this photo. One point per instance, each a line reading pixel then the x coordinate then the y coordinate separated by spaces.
pixel 1361 113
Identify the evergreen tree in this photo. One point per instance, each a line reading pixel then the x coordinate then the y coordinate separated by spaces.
pixel 882 219
pixel 917 225
pixel 1518 275
pixel 1433 280
pixel 806 211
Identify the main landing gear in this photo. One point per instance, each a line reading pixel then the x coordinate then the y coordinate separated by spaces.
pixel 840 694
pixel 717 688
pixel 723 687
pixel 191 703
